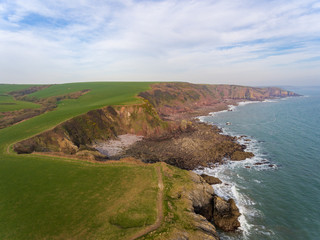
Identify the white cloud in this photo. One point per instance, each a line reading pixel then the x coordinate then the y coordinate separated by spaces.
pixel 237 42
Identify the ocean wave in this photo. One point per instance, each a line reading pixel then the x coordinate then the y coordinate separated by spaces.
pixel 247 102
pixel 270 101
pixel 215 113
pixel 201 118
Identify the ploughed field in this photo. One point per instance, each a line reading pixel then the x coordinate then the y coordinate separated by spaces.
pixel 44 197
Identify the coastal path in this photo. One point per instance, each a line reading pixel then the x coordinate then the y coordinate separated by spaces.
pixel 158 222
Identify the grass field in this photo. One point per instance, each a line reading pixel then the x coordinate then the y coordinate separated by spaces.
pixel 53 198
pixel 101 94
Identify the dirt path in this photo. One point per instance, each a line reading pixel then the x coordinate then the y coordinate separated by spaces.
pixel 157 224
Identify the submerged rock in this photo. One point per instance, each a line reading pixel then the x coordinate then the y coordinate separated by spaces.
pixel 225 214
pixel 210 179
pixel 238 155
pixel 259 163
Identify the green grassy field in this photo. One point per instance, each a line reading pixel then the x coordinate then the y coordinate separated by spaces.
pixel 54 198
pixel 101 94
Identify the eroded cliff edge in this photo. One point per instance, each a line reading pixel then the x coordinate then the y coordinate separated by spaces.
pixel 75 136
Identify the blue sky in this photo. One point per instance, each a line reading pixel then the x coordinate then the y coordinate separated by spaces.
pixel 243 42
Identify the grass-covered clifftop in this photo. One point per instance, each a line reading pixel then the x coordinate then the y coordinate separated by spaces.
pixel 45 197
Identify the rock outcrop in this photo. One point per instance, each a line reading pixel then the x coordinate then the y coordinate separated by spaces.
pixel 207 208
pixel 190 192
pixel 241 155
pixel 202 197
pixel 225 214
pixel 210 179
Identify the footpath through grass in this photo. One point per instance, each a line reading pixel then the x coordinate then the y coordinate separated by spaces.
pixel 53 198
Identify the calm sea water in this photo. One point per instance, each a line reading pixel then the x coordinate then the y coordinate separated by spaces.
pixel 281 201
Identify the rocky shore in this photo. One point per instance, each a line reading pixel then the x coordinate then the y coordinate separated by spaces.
pixel 197 145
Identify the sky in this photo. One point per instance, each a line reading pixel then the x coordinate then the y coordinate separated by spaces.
pixel 244 42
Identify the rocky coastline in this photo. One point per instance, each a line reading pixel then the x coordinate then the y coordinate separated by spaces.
pixel 168 132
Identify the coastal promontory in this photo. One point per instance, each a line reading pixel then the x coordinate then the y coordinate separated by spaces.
pixel 159 131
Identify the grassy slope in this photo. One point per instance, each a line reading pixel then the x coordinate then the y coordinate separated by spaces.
pixel 51 198
pixel 101 94
pixel 5 88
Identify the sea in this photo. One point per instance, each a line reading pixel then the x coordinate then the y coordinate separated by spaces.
pixel 278 190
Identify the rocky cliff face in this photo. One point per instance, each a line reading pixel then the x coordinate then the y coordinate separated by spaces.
pixel 224 214
pixel 172 98
pixel 196 202
pixel 75 135
pixel 184 192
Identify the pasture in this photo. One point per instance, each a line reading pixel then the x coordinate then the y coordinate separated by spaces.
pixel 44 197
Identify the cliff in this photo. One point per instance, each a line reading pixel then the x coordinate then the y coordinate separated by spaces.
pixel 191 206
pixel 184 191
pixel 173 98
pixel 186 144
pixel 76 135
